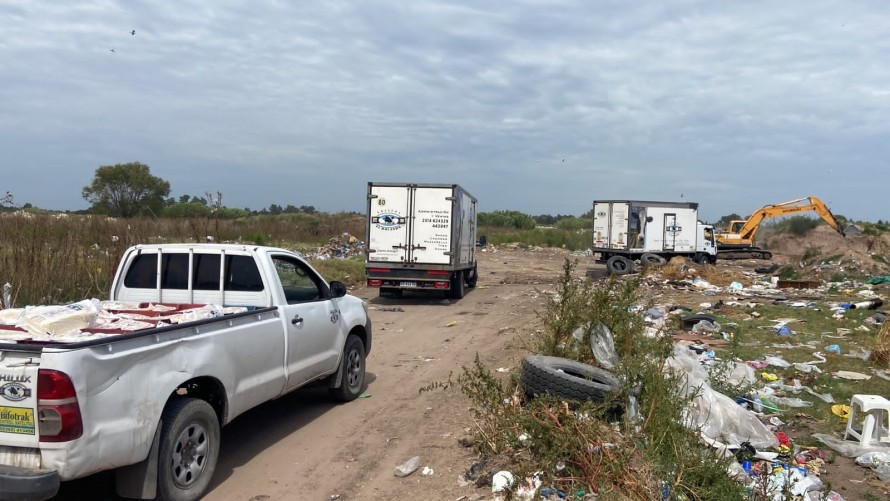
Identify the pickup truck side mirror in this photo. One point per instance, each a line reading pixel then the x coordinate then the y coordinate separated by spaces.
pixel 337 289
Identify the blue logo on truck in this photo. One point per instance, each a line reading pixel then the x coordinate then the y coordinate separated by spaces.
pixel 388 221
pixel 15 392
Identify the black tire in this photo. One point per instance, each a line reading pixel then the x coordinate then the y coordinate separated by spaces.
pixel 690 321
pixel 189 449
pixel 619 265
pixel 566 378
pixel 650 259
pixel 702 258
pixel 457 285
pixel 352 370
pixel 474 276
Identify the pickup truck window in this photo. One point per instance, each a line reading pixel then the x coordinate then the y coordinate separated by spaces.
pixel 300 285
pixel 242 272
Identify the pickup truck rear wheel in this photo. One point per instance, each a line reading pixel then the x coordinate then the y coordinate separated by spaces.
pixel 352 370
pixel 189 449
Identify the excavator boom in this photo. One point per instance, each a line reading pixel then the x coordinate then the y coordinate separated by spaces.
pixel 740 235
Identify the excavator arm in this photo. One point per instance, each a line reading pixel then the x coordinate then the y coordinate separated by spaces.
pixel 741 233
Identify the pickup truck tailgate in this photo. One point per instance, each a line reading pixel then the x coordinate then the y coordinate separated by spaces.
pixel 18 400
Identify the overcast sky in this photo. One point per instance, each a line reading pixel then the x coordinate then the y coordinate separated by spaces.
pixel 537 106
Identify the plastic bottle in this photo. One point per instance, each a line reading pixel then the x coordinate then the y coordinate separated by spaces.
pixel 758 404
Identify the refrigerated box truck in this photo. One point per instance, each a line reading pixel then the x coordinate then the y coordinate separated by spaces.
pixel 421 237
pixel 628 230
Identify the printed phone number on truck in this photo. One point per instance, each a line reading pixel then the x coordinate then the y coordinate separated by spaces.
pixel 437 223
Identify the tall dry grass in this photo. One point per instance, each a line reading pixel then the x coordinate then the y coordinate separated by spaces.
pixel 52 259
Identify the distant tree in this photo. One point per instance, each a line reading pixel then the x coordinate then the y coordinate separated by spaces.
pixel 126 190
pixel 290 209
pixel 308 209
pixel 187 210
pixel 184 199
pixel 545 219
pixel 6 199
pixel 275 209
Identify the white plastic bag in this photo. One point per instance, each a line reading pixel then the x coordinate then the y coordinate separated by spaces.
pixel 59 320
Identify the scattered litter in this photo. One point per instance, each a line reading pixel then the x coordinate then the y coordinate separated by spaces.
pixel 426 471
pixel 776 361
pixel 501 482
pixel 365 395
pixel 833 348
pixel 841 410
pixel 855 376
pixel 408 467
pixel 451 323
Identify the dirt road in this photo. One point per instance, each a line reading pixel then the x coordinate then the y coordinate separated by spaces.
pixel 304 447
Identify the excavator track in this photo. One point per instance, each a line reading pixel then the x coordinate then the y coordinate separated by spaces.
pixel 744 253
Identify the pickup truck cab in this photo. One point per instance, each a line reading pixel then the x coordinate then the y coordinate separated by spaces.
pixel 193 336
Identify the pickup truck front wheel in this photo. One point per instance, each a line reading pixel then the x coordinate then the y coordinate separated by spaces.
pixel 189 449
pixel 352 370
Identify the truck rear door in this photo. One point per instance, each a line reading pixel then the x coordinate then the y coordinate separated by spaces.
pixel 18 408
pixel 431 229
pixel 618 225
pixel 601 221
pixel 388 210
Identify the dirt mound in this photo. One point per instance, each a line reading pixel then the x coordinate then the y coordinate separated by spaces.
pixel 870 253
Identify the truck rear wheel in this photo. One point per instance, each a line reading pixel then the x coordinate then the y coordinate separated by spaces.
pixel 474 276
pixel 189 449
pixel 457 284
pixel 619 265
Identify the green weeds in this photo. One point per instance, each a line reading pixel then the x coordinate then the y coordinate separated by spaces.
pixel 617 449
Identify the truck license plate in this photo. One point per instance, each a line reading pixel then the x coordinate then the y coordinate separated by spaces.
pixel 408 284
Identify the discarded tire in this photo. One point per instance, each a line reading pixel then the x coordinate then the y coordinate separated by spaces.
pixel 566 378
pixel 650 259
pixel 619 265
pixel 690 321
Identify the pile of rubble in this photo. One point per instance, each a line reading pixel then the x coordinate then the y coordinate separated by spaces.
pixel 340 247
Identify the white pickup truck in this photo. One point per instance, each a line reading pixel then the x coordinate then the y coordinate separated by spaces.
pixel 145 392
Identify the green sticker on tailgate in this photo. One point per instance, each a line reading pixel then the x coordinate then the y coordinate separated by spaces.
pixel 17 420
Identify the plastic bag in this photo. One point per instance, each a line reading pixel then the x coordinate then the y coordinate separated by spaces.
pixel 716 415
pixel 777 362
pixel 603 347
pixel 705 327
pixel 848 447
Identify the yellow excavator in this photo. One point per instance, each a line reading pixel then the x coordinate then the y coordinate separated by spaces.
pixel 737 242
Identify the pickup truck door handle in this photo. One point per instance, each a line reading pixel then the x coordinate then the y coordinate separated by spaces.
pixel 296 320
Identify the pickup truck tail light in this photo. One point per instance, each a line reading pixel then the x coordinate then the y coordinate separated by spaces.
pixel 57 410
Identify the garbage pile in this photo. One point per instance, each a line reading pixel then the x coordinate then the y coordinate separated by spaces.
pixel 340 247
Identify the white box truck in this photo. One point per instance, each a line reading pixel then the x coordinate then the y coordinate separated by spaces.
pixel 421 237
pixel 628 230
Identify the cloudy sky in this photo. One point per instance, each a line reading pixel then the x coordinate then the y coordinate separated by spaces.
pixel 537 106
